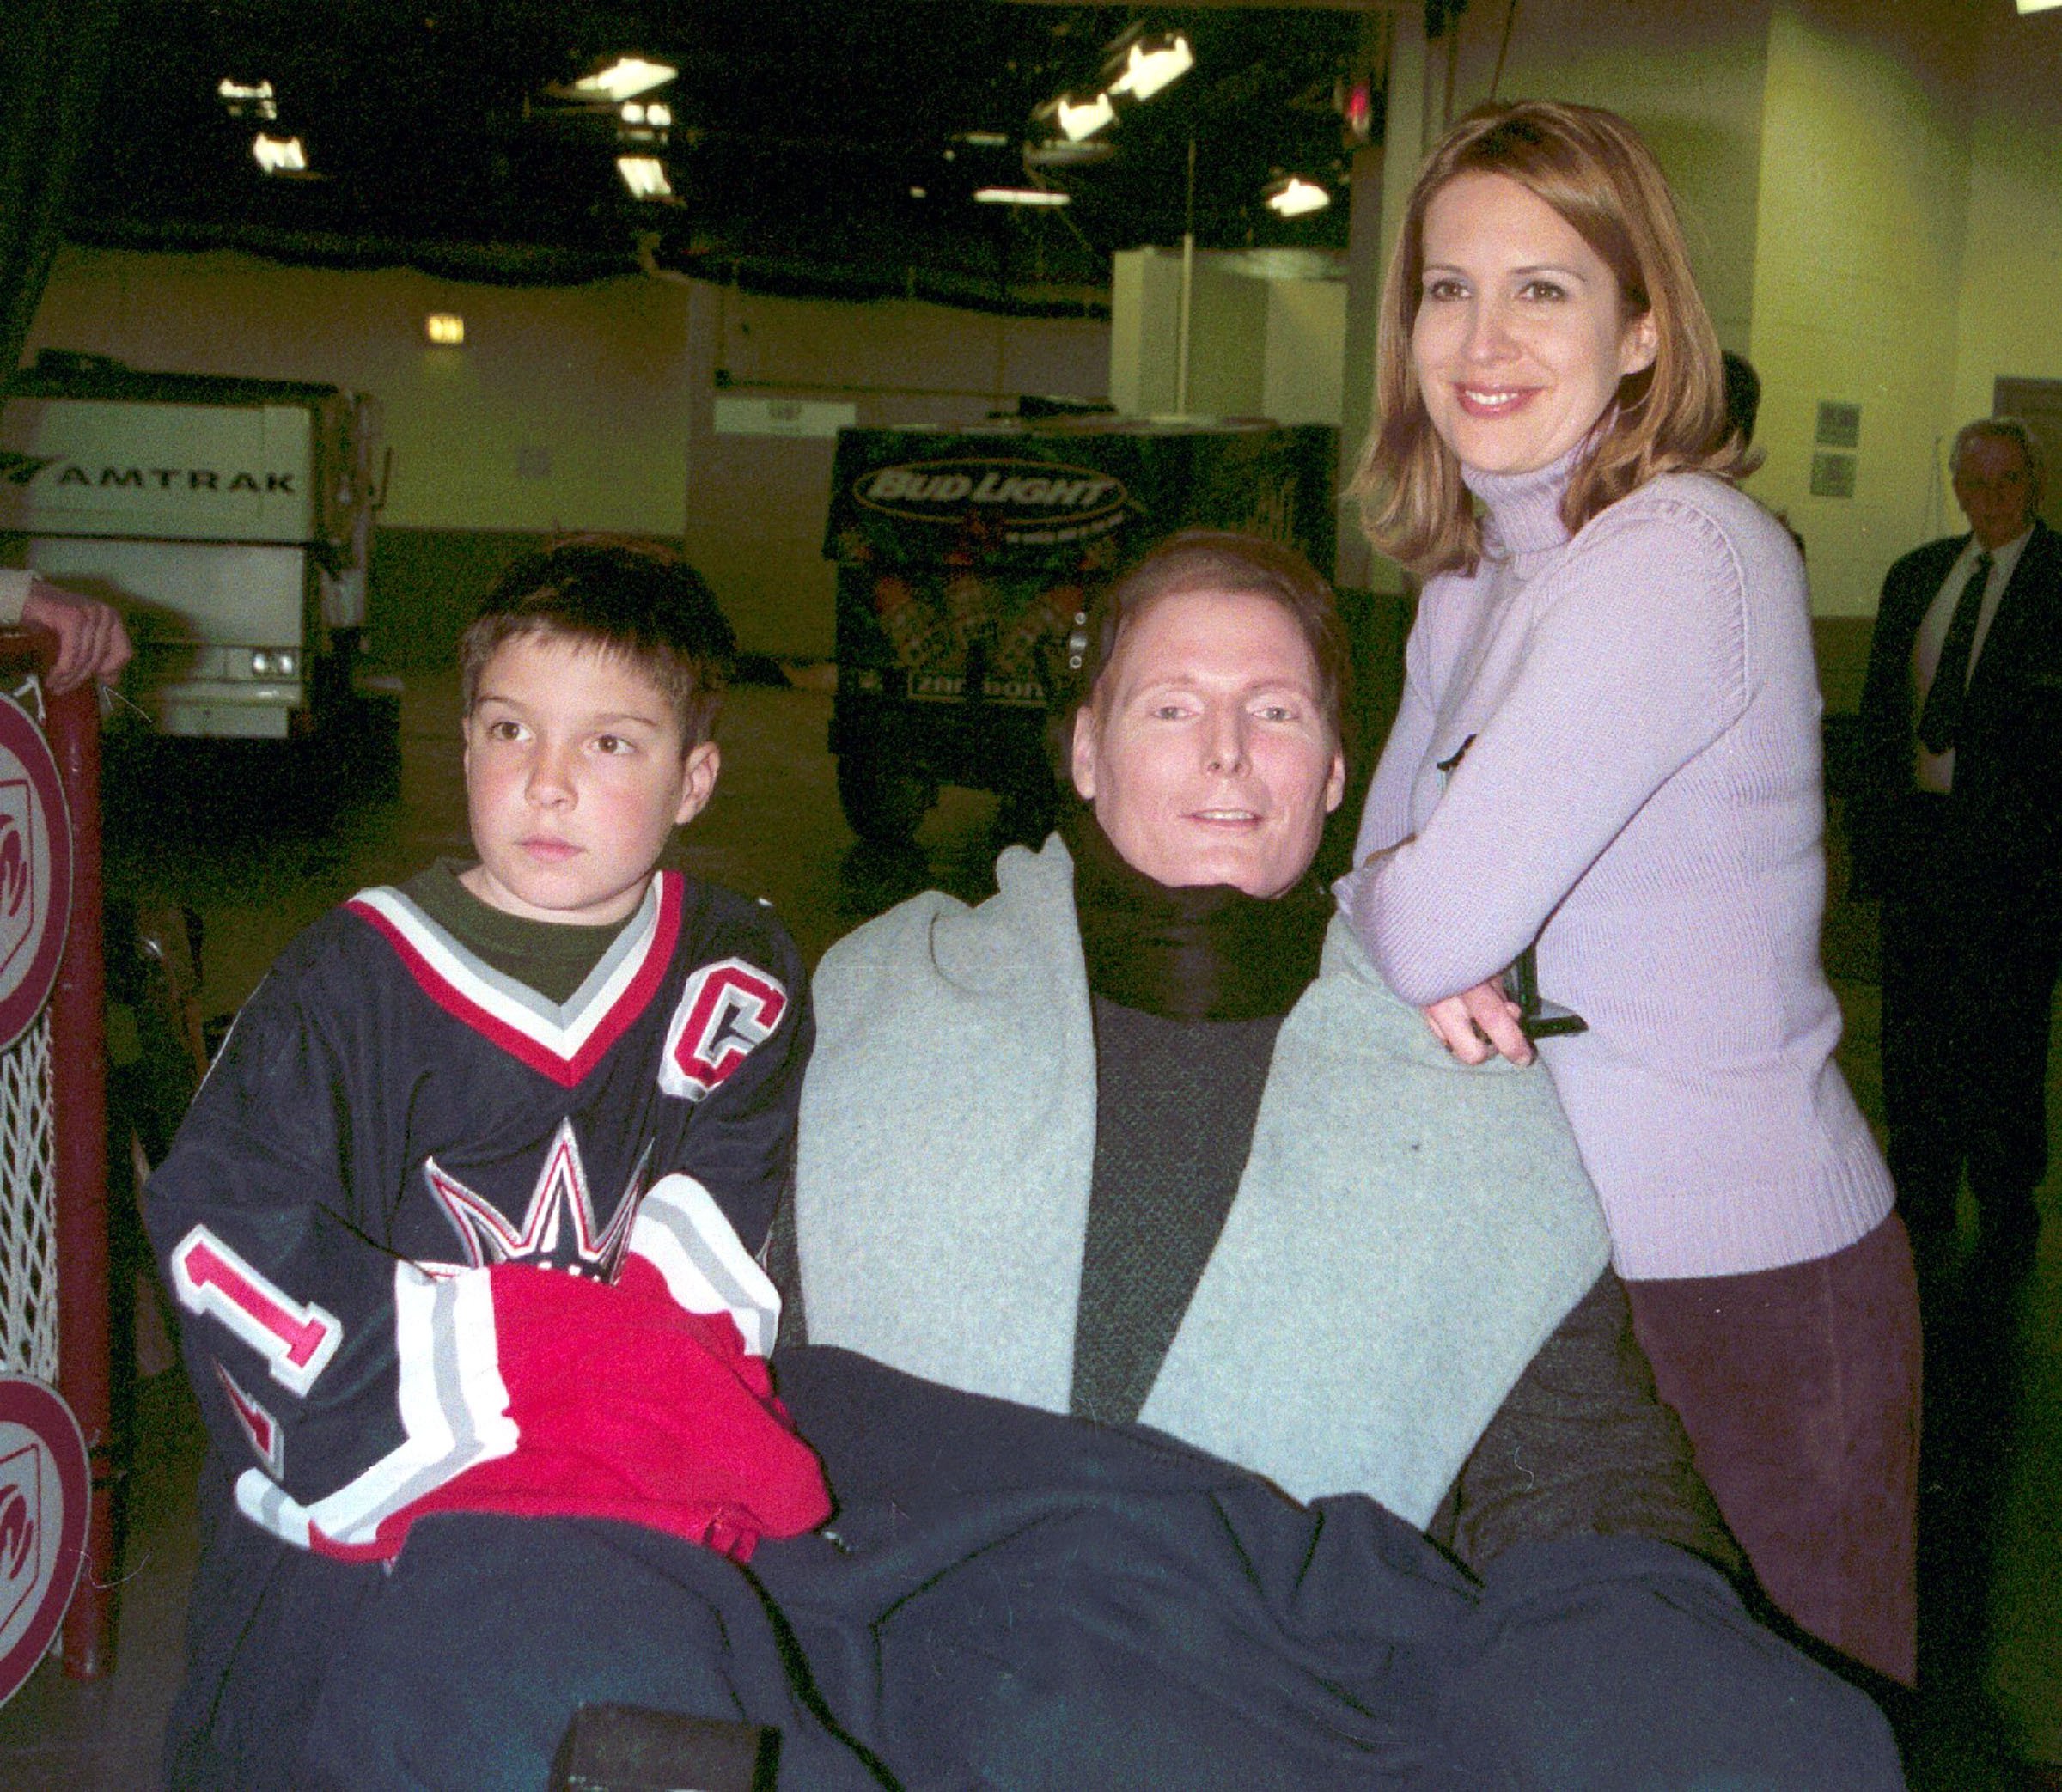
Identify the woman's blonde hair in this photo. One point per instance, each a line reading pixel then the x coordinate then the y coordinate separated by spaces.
pixel 1591 168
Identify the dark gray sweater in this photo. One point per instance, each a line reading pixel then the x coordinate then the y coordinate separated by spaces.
pixel 1582 1444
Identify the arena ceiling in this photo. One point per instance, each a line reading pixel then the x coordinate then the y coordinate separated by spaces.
pixel 813 144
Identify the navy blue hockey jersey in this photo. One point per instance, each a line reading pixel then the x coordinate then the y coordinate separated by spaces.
pixel 391 1123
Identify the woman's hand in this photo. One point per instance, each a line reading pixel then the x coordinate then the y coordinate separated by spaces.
pixel 1479 1022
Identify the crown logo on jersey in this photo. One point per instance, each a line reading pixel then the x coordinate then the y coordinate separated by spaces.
pixel 560 1211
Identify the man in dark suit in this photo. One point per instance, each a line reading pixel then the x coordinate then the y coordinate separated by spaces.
pixel 1957 829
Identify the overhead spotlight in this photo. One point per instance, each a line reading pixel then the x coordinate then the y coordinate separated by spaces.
pixel 1021 196
pixel 645 177
pixel 247 99
pixel 279 155
pixel 623 79
pixel 1294 197
pixel 1148 70
pixel 1082 118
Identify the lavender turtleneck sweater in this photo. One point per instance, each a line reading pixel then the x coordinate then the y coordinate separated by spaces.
pixel 1642 793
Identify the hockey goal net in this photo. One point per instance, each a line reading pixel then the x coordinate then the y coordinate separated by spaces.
pixel 54 1301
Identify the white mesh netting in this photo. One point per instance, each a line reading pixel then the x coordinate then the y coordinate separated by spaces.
pixel 29 1208
pixel 28 1184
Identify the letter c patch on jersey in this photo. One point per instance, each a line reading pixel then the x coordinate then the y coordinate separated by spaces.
pixel 726 1009
pixel 296 1341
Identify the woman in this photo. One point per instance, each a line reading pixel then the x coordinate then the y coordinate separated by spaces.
pixel 1608 750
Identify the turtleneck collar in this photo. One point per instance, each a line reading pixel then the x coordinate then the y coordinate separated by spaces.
pixel 1198 952
pixel 1525 508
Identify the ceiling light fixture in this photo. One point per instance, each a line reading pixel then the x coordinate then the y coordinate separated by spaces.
pixel 645 176
pixel 1082 118
pixel 247 99
pixel 1295 197
pixel 279 155
pixel 1147 71
pixel 1021 196
pixel 623 79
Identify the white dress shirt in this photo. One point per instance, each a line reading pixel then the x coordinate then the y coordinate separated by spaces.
pixel 1934 771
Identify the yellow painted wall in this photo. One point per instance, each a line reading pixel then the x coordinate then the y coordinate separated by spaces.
pixel 564 409
pixel 757 504
pixel 1688 75
pixel 1305 350
pixel 1865 176
pixel 2010 296
pixel 584 407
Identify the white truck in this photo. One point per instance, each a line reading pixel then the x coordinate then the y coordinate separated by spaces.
pixel 229 520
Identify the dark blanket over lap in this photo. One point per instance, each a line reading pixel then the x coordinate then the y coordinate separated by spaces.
pixel 1016 1600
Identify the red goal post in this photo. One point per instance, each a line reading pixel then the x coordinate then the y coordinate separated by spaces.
pixel 54 1294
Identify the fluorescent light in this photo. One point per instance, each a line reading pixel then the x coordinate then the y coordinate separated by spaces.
pixel 645 176
pixel 1083 118
pixel 247 99
pixel 624 79
pixel 279 155
pixel 1295 196
pixel 445 328
pixel 1146 71
pixel 1021 196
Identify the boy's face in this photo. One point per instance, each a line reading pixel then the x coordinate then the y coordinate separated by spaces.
pixel 575 779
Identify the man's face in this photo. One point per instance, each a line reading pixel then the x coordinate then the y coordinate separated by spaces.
pixel 1995 488
pixel 1207 750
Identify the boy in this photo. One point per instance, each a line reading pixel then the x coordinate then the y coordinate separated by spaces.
pixel 464 1220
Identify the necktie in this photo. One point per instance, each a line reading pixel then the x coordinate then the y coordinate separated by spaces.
pixel 1942 710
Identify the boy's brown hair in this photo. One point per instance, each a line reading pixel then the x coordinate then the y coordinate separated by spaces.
pixel 638 601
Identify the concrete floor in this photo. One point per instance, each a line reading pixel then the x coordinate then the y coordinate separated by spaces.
pixel 259 859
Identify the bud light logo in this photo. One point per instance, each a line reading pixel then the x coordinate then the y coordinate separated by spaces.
pixel 1012 494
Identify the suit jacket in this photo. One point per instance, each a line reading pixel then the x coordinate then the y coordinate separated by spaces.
pixel 2008 752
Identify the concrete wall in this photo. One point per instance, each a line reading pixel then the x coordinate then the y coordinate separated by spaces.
pixel 1864 177
pixel 1303 364
pixel 2009 301
pixel 1687 73
pixel 573 408
pixel 756 503
pixel 563 409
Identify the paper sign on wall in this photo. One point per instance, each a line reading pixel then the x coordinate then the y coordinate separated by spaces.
pixel 783 417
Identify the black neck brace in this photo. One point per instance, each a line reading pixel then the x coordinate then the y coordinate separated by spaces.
pixel 1204 952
